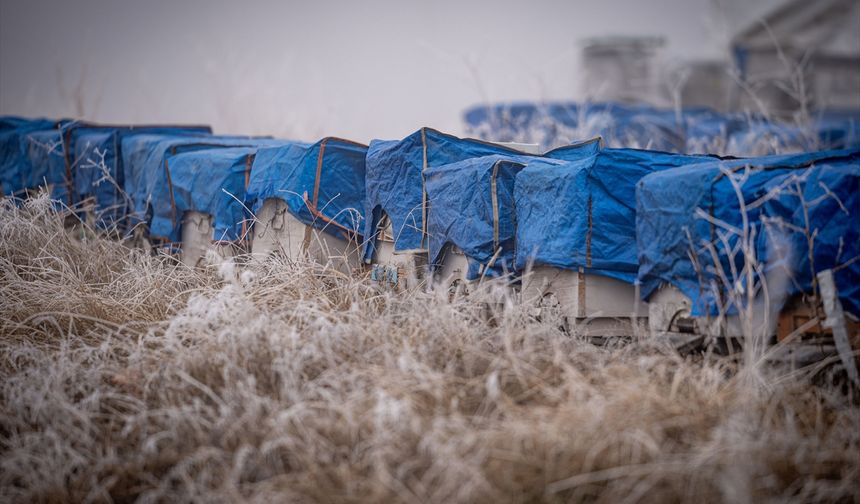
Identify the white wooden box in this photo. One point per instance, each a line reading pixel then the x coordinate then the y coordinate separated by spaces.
pixel 402 270
pixel 669 312
pixel 594 305
pixel 277 231
pixel 197 240
pixel 452 274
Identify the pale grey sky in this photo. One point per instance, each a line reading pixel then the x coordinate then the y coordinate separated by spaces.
pixel 304 69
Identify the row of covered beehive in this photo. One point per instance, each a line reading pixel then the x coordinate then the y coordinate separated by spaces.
pixel 599 231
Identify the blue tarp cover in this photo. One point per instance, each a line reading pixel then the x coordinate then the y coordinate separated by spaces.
pixel 621 125
pixel 835 219
pixel 323 183
pixel 143 160
pixel 394 188
pixel 673 229
pixel 827 130
pixel 395 179
pixel 690 130
pixel 96 161
pixel 16 168
pixel 209 181
pixel 472 208
pixel 582 214
pixel 9 123
pixel 47 164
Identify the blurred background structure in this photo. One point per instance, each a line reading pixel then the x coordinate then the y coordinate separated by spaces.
pixel 799 55
pixel 623 69
pixel 803 54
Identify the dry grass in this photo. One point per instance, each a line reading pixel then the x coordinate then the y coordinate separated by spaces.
pixel 129 377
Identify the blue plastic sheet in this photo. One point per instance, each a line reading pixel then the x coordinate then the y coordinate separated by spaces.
pixel 551 124
pixel 827 197
pixel 683 218
pixel 395 188
pixel 395 180
pixel 47 164
pixel 208 181
pixel 472 209
pixel 146 176
pixel 323 183
pixel 95 156
pixel 10 123
pixel 825 130
pixel 690 130
pixel 583 214
pixel 16 168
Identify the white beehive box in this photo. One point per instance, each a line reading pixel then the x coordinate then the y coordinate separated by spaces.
pixel 277 231
pixel 402 270
pixel 669 312
pixel 452 274
pixel 407 269
pixel 454 266
pixel 593 304
pixel 452 271
pixel 197 240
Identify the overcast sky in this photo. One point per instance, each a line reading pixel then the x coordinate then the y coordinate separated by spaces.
pixel 305 69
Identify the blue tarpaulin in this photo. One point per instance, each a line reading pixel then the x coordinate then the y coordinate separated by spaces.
pixel 690 130
pixel 552 124
pixel 834 218
pixel 395 188
pixel 47 164
pixel 208 181
pixel 395 180
pixel 9 123
pixel 472 208
pixel 146 176
pixel 826 130
pixel 712 133
pixel 143 163
pixel 583 214
pixel 323 183
pixel 682 214
pixel 94 153
pixel 16 168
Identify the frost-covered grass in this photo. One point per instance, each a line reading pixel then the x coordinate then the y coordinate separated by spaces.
pixel 130 377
